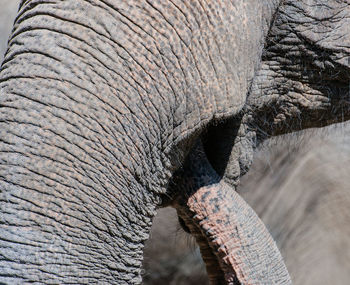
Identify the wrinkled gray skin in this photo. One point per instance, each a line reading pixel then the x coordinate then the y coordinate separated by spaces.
pixel 300 190
pixel 101 101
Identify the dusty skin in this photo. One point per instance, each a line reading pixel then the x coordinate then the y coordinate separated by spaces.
pixel 317 165
pixel 102 103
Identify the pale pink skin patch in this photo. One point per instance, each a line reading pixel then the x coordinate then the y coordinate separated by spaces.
pixel 235 245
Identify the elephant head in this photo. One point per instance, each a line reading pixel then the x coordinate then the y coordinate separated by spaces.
pixel 111 108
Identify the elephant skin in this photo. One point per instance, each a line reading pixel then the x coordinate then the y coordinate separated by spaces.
pixel 103 105
pixel 299 187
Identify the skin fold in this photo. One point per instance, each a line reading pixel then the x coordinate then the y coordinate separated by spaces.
pixel 102 103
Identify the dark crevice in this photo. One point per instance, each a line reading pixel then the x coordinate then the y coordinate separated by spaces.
pixel 218 142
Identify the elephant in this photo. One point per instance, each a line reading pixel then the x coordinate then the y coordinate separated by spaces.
pixel 298 186
pixel 111 109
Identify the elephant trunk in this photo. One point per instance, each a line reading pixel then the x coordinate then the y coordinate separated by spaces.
pixel 99 100
pixel 233 240
pixel 74 203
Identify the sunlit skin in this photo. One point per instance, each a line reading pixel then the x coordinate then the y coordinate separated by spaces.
pixel 103 106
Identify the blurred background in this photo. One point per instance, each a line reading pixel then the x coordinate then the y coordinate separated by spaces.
pixel 8 9
pixel 299 185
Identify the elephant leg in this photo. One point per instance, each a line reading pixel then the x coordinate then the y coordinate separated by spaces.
pixel 235 245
